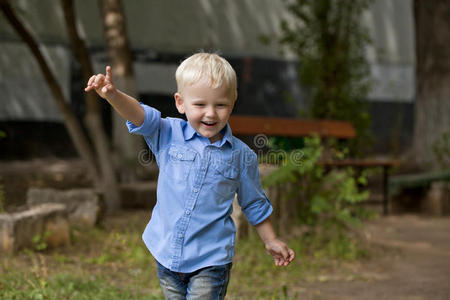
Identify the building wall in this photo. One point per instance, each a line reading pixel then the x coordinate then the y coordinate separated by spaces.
pixel 163 32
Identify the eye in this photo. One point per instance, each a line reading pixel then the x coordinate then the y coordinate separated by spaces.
pixel 222 105
pixel 199 104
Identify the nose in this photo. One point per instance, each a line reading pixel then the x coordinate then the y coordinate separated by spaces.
pixel 210 112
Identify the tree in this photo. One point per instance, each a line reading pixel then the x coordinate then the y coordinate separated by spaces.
pixel 92 118
pixel 432 109
pixel 329 40
pixel 119 52
pixel 80 140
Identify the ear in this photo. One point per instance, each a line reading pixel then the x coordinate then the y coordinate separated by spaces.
pixel 179 103
pixel 233 102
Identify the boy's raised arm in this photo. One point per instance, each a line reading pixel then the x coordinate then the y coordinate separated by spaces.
pixel 125 105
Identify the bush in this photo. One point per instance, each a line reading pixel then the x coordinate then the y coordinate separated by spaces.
pixel 329 40
pixel 323 203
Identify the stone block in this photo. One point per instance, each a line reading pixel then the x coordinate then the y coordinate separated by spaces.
pixel 82 205
pixel 437 199
pixel 48 221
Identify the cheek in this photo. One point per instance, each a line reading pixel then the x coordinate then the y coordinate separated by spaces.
pixel 194 114
pixel 224 113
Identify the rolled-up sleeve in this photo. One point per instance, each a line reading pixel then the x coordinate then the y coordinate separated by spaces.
pixel 150 124
pixel 251 197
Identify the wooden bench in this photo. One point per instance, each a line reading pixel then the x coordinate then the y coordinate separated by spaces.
pixel 385 164
pixel 435 183
pixel 271 126
pixel 424 179
pixel 252 125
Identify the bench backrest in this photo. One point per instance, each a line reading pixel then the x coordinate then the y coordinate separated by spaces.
pixel 253 125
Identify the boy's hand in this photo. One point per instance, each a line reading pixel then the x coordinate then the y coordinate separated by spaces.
pixel 102 84
pixel 282 254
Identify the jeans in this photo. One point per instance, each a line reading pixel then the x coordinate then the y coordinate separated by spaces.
pixel 205 284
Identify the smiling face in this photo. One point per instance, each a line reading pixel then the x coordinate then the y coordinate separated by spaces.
pixel 207 109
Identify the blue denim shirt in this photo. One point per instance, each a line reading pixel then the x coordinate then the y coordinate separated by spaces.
pixel 191 226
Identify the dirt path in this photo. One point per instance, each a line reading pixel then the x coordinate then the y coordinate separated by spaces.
pixel 415 264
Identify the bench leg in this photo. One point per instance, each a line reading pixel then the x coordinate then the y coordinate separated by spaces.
pixel 385 190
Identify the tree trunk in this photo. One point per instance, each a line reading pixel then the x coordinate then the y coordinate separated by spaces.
pixel 114 24
pixel 432 110
pixel 74 128
pixel 93 113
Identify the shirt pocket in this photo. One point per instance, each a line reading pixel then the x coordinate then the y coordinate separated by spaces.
pixel 180 162
pixel 226 177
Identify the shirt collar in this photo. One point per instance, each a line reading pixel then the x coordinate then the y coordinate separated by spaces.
pixel 190 132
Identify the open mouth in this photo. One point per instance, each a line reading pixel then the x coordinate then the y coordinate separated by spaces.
pixel 209 124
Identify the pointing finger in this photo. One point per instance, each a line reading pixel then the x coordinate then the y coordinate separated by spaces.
pixel 108 74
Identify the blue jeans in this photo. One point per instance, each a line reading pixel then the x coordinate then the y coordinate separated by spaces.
pixel 207 283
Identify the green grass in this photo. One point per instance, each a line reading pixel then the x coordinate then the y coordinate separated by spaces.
pixel 64 286
pixel 112 263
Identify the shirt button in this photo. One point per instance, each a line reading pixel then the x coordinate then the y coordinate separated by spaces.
pixel 180 155
pixel 180 235
pixel 188 212
pixel 195 190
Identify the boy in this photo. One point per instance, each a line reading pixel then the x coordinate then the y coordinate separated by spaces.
pixel 202 166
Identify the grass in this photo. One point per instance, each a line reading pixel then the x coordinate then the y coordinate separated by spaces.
pixel 112 262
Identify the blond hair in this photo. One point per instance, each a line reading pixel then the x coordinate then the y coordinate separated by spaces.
pixel 210 66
